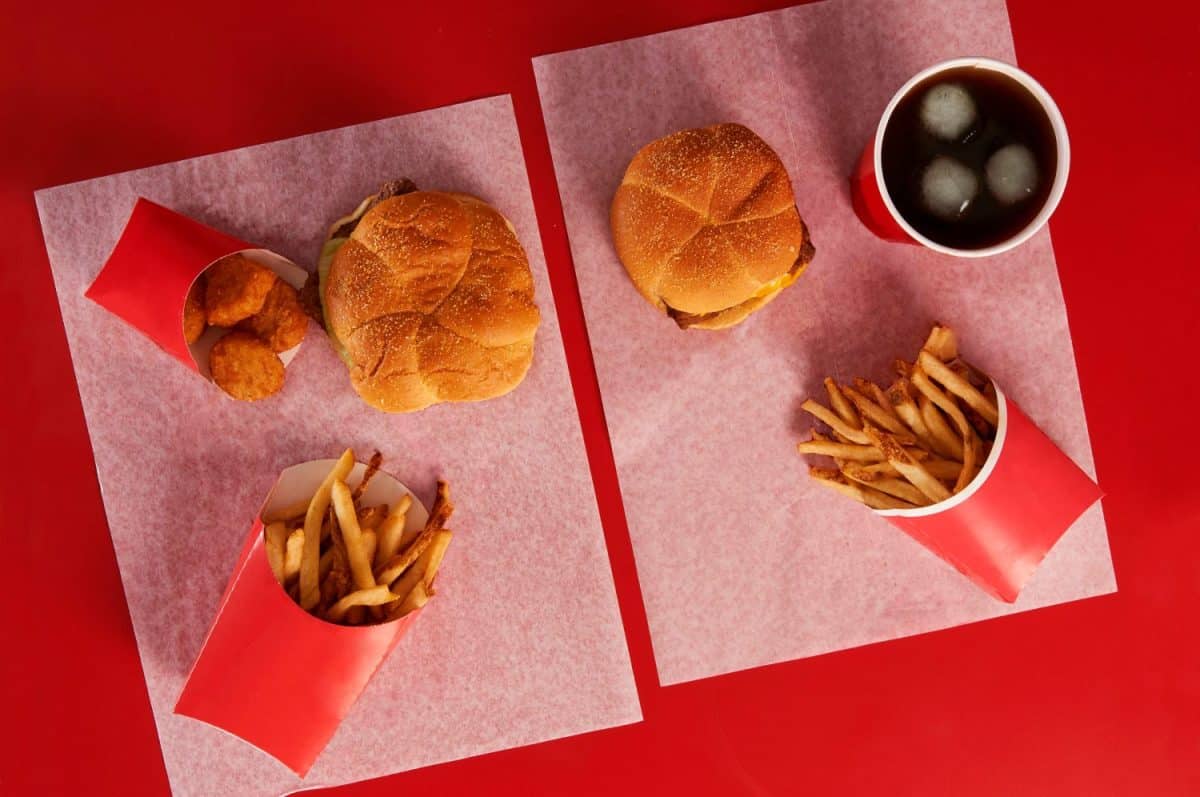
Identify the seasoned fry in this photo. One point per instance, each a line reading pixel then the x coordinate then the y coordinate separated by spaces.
pixel 371 517
pixel 392 569
pixel 907 465
pixel 369 542
pixel 372 596
pixel 876 394
pixel 897 487
pixel 442 509
pixel 310 562
pixel 841 405
pixel 834 422
pixel 970 446
pixel 900 397
pixel 293 555
pixel 425 567
pixel 873 413
pixel 871 497
pixel 850 451
pixel 352 536
pixel 372 468
pixel 939 372
pixel 287 514
pixel 391 531
pixel 275 537
pixel 941 469
pixel 942 343
pixel 944 441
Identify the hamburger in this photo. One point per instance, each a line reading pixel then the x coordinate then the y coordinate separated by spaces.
pixel 428 298
pixel 706 225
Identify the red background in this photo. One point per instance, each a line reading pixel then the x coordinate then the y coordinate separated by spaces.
pixel 1097 697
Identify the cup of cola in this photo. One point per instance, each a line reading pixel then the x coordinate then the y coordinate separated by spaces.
pixel 970 158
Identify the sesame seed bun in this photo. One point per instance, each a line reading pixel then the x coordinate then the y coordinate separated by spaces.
pixel 431 300
pixel 706 225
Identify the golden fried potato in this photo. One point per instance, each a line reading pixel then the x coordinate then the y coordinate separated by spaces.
pixel 237 288
pixel 245 367
pixel 281 322
pixel 193 312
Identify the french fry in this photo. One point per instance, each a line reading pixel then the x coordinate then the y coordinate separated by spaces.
pixel 392 569
pixel 942 343
pixel 372 596
pixel 352 536
pixel 971 449
pixel 326 563
pixel 898 488
pixel 416 598
pixel 902 368
pixel 841 405
pixel 311 558
pixel 834 422
pixel 293 555
pixel 834 480
pixel 369 543
pixel 940 469
pixel 900 397
pixel 370 517
pixel 275 539
pixel 944 441
pixel 851 451
pixel 873 413
pixel 876 394
pixel 945 376
pixel 391 530
pixel 287 514
pixel 372 468
pixel 425 567
pixel 908 466
pixel 443 507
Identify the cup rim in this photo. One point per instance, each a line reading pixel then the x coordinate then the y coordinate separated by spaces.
pixel 1062 145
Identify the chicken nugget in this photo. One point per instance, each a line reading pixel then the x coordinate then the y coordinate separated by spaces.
pixel 237 288
pixel 193 312
pixel 245 367
pixel 282 322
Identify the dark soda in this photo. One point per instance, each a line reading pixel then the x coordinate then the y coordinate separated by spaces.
pixel 937 148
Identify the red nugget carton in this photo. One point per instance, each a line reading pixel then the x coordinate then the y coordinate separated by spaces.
pixel 999 528
pixel 158 257
pixel 270 672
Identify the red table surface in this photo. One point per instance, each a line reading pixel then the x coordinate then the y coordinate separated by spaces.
pixel 1096 697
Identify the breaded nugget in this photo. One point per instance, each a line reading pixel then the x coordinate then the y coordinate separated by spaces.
pixel 237 288
pixel 245 367
pixel 281 322
pixel 193 312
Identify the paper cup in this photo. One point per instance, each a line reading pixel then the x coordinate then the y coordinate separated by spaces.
pixel 1001 526
pixel 874 206
pixel 271 673
pixel 158 257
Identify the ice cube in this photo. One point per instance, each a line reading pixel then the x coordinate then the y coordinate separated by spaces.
pixel 948 188
pixel 948 112
pixel 1012 173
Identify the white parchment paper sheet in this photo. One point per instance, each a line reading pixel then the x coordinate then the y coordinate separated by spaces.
pixel 742 560
pixel 524 641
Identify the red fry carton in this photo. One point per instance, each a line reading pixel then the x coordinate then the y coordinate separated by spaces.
pixel 148 275
pixel 270 672
pixel 1000 527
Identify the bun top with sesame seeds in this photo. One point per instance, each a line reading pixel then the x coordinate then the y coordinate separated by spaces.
pixel 431 299
pixel 706 224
